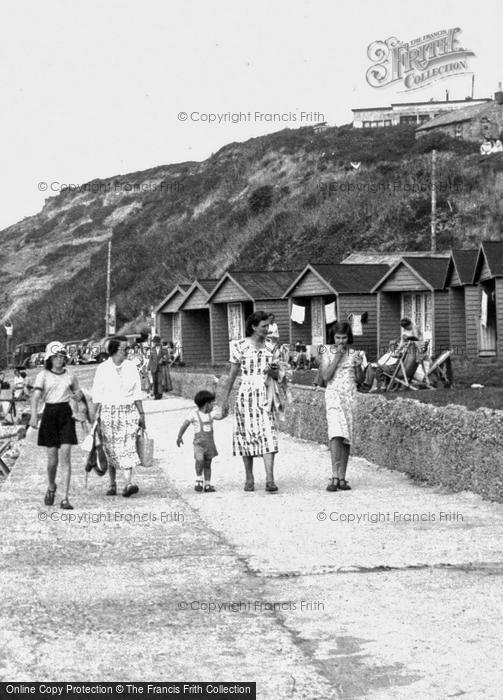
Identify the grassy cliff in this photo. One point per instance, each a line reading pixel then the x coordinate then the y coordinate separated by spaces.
pixel 281 200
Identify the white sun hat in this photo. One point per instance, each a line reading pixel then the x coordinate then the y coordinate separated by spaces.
pixel 54 348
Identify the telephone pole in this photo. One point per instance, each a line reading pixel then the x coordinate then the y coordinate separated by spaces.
pixel 109 265
pixel 433 201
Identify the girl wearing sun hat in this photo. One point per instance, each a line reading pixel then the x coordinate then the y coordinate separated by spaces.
pixel 56 386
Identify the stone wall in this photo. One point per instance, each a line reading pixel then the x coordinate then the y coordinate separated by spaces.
pixel 447 445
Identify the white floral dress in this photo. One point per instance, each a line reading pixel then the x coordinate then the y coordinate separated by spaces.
pixel 340 397
pixel 254 432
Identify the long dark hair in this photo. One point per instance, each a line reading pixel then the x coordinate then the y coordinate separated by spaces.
pixel 253 320
pixel 341 328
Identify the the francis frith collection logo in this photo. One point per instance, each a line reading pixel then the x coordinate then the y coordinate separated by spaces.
pixel 418 62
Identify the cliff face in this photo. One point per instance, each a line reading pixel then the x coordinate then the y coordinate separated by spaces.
pixel 280 200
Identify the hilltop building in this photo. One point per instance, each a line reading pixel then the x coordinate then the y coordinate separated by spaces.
pixel 409 112
pixel 471 122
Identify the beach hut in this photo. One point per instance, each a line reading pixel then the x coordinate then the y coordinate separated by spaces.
pixel 236 296
pixel 320 294
pixel 167 316
pixel 464 303
pixel 487 307
pixel 194 313
pixel 415 287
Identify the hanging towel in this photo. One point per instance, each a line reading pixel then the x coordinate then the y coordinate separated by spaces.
pixel 298 313
pixel 357 324
pixel 483 308
pixel 330 316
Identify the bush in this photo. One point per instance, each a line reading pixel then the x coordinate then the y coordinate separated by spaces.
pixel 260 199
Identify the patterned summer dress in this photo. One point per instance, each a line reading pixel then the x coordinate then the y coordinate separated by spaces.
pixel 255 432
pixel 340 398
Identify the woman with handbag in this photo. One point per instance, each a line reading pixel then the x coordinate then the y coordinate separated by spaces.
pixel 117 397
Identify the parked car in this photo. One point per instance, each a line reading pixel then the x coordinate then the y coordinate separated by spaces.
pixel 98 350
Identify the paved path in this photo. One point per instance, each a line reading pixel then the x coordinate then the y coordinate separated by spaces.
pixel 254 586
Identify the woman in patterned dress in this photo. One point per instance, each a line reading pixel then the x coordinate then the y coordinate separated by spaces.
pixel 117 397
pixel 255 431
pixel 340 367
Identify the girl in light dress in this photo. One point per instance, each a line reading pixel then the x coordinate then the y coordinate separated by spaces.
pixel 341 369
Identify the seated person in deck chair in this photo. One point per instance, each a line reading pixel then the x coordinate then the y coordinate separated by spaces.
pixel 374 373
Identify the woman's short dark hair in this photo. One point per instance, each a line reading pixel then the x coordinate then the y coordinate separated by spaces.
pixel 115 343
pixel 203 397
pixel 253 320
pixel 405 322
pixel 341 328
pixel 48 362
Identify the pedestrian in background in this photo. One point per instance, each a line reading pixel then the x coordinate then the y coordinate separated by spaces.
pixel 156 366
pixel 56 385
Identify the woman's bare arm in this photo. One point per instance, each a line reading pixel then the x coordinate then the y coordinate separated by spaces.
pixel 328 365
pixel 230 383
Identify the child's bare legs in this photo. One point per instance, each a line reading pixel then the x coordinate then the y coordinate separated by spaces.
pixel 199 474
pixel 207 476
pixel 207 471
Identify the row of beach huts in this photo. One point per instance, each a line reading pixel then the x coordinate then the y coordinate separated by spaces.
pixel 454 297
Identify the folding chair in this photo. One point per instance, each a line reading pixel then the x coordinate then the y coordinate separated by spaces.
pixel 422 348
pixel 4 469
pixel 10 415
pixel 404 370
pixel 441 368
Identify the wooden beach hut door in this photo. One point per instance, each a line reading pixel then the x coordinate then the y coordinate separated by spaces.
pixel 417 307
pixel 177 334
pixel 487 321
pixel 317 321
pixel 235 322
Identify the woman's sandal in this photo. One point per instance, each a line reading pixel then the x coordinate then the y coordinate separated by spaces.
pixel 112 491
pixel 271 487
pixel 249 486
pixel 65 504
pixel 343 485
pixel 333 484
pixel 49 496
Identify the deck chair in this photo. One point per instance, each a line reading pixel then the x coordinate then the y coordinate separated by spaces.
pixel 4 469
pixel 441 368
pixel 402 373
pixel 9 409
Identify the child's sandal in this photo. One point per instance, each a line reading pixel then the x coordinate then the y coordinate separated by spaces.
pixel 343 485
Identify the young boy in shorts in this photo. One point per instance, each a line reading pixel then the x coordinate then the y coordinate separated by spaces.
pixel 204 443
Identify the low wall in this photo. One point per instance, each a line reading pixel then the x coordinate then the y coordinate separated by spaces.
pixel 447 445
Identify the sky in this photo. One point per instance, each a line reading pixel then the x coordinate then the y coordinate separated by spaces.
pixel 97 89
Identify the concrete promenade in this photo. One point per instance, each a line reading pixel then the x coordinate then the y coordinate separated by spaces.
pixel 392 590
